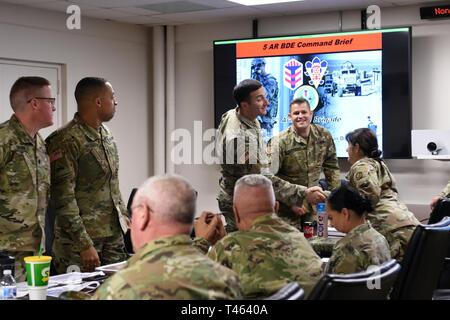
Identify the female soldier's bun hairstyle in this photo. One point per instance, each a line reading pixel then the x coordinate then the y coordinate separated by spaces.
pixel 348 197
pixel 375 153
pixel 366 140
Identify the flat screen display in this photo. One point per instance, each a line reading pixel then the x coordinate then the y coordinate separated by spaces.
pixel 351 80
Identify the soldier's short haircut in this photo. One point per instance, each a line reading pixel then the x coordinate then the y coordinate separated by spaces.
pixel 254 180
pixel 347 197
pixel 24 89
pixel 366 140
pixel 299 101
pixel 175 196
pixel 89 86
pixel 243 89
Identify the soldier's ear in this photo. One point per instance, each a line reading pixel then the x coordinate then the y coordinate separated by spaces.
pixel 346 213
pixel 143 217
pixel 289 116
pixel 244 104
pixel 236 215
pixel 276 207
pixel 98 102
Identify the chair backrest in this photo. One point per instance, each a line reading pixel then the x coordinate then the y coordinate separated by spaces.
pixel 373 284
pixel 441 210
pixel 130 200
pixel 291 291
pixel 423 262
pixel 127 236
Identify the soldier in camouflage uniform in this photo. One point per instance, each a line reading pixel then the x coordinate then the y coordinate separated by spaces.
pixel 304 151
pixel 242 150
pixel 166 265
pixel 89 212
pixel 25 170
pixel 266 252
pixel 363 246
pixel 372 178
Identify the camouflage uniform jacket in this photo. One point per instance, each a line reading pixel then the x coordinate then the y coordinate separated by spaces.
pixel 359 249
pixel 85 191
pixel 171 268
pixel 242 150
pixel 24 187
pixel 301 161
pixel 268 256
pixel 373 179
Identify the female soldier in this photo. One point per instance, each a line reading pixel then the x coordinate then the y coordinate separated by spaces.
pixel 371 177
pixel 363 246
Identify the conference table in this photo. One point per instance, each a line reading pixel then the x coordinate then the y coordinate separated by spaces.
pixel 73 285
pixel 323 246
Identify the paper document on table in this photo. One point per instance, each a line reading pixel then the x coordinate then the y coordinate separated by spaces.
pixel 332 232
pixel 112 267
pixel 56 291
pixel 72 277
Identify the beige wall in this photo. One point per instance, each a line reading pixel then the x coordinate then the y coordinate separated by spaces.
pixel 118 52
pixel 418 180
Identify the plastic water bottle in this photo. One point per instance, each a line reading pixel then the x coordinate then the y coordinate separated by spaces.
pixel 322 220
pixel 8 287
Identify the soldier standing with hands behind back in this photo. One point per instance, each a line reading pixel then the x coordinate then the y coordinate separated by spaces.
pixel 85 196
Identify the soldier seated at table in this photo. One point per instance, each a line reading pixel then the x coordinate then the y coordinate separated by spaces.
pixel 267 253
pixel 166 265
pixel 363 246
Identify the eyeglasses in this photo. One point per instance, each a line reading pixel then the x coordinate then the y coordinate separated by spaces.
pixel 50 100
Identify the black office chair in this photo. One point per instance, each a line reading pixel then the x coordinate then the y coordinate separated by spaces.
pixel 291 291
pixel 373 284
pixel 423 262
pixel 127 236
pixel 441 210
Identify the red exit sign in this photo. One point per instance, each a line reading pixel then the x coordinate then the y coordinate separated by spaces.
pixel 435 12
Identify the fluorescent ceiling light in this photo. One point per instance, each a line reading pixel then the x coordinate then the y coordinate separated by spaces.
pixel 259 2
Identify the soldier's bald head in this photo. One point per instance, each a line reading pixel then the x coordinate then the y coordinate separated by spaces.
pixel 171 197
pixel 254 195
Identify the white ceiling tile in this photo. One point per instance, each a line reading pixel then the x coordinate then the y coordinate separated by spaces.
pixel 137 11
pixel 219 4
pixel 120 3
pixel 214 15
pixel 26 1
pixel 59 6
pixel 106 14
pixel 144 20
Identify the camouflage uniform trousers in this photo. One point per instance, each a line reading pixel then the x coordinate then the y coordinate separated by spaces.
pixel 19 266
pixel 226 208
pixel 398 240
pixel 110 250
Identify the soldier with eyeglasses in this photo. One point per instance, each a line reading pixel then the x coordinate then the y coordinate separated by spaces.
pixel 25 170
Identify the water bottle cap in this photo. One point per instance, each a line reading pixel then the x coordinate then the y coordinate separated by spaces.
pixel 6 272
pixel 320 206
